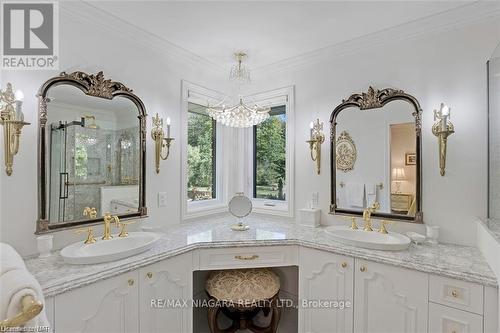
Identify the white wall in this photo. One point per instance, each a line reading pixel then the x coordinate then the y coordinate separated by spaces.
pixel 447 66
pixel 154 77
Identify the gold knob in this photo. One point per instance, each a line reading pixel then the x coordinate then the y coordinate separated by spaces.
pixel 131 282
pixel 454 293
pixel 344 264
pixel 149 275
pixel 362 268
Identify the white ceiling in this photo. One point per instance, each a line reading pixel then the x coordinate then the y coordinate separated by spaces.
pixel 267 31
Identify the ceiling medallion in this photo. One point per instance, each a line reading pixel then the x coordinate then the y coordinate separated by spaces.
pixel 240 114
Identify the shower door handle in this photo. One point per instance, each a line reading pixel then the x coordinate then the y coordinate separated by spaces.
pixel 63 181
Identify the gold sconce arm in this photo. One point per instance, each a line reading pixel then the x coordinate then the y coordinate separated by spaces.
pixel 12 120
pixel 158 135
pixel 442 129
pixel 316 139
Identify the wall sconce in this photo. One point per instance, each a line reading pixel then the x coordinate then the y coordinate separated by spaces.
pixel 442 128
pixel 316 138
pixel 160 141
pixel 12 119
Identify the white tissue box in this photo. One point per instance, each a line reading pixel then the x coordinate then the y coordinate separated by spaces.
pixel 310 217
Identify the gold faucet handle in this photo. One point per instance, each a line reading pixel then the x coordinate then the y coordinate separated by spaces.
pixel 91 212
pixel 123 231
pixel 383 225
pixel 375 206
pixel 352 219
pixel 90 235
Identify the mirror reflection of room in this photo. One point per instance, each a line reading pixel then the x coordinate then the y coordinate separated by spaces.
pixel 94 155
pixel 403 168
pixel 376 158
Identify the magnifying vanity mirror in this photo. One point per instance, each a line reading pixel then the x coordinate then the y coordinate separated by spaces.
pixel 240 206
pixel 91 151
pixel 376 155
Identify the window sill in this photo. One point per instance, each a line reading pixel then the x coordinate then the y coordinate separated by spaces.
pixel 270 207
pixel 204 210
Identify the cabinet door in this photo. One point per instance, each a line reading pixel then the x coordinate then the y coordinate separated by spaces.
pixel 328 278
pixel 443 319
pixel 389 299
pixel 165 287
pixel 107 306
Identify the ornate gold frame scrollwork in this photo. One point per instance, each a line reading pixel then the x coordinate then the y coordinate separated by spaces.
pixel 374 99
pixel 94 85
pixel 345 139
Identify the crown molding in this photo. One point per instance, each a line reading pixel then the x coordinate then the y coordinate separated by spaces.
pixel 465 15
pixel 91 15
pixel 448 20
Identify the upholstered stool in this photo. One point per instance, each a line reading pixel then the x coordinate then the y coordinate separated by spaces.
pixel 240 294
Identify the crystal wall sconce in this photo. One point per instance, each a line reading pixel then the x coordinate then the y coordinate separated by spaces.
pixel 161 142
pixel 12 119
pixel 442 128
pixel 316 138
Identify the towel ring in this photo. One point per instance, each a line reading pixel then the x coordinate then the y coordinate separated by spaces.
pixel 379 185
pixel 30 309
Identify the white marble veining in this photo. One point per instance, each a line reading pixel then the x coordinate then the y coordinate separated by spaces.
pixel 454 261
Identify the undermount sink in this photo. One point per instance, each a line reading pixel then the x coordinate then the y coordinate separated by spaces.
pixel 109 250
pixel 369 239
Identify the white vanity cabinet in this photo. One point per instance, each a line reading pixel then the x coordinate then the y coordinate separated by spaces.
pixel 106 306
pixel 164 287
pixel 325 277
pixel 389 299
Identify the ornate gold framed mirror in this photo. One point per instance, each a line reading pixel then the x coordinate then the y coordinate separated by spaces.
pixel 91 151
pixel 375 150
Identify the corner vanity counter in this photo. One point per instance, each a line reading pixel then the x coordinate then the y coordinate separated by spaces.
pixel 427 288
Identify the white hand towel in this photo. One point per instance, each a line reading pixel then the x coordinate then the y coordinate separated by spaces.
pixel 371 194
pixel 356 194
pixel 9 259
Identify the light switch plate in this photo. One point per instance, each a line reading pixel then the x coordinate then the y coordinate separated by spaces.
pixel 162 199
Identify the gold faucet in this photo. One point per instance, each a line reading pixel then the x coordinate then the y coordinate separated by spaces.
pixel 90 235
pixel 91 212
pixel 367 216
pixel 108 219
pixel 383 229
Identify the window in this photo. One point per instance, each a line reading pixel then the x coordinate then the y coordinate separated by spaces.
pixel 201 154
pixel 269 157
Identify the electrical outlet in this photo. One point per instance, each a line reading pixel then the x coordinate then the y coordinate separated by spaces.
pixel 162 199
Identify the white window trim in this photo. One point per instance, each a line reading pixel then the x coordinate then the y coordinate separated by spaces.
pixel 276 97
pixel 197 94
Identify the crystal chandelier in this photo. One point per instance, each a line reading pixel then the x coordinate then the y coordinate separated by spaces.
pixel 241 114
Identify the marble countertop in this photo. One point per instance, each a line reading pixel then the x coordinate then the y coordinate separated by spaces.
pixel 454 261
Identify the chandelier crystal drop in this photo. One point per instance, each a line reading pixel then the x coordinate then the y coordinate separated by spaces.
pixel 241 114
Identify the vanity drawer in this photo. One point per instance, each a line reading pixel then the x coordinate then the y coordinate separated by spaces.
pixel 443 319
pixel 455 293
pixel 246 257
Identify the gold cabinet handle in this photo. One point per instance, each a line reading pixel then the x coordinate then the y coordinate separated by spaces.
pixel 344 264
pixel 362 268
pixel 253 257
pixel 131 282
pixel 149 275
pixel 454 293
